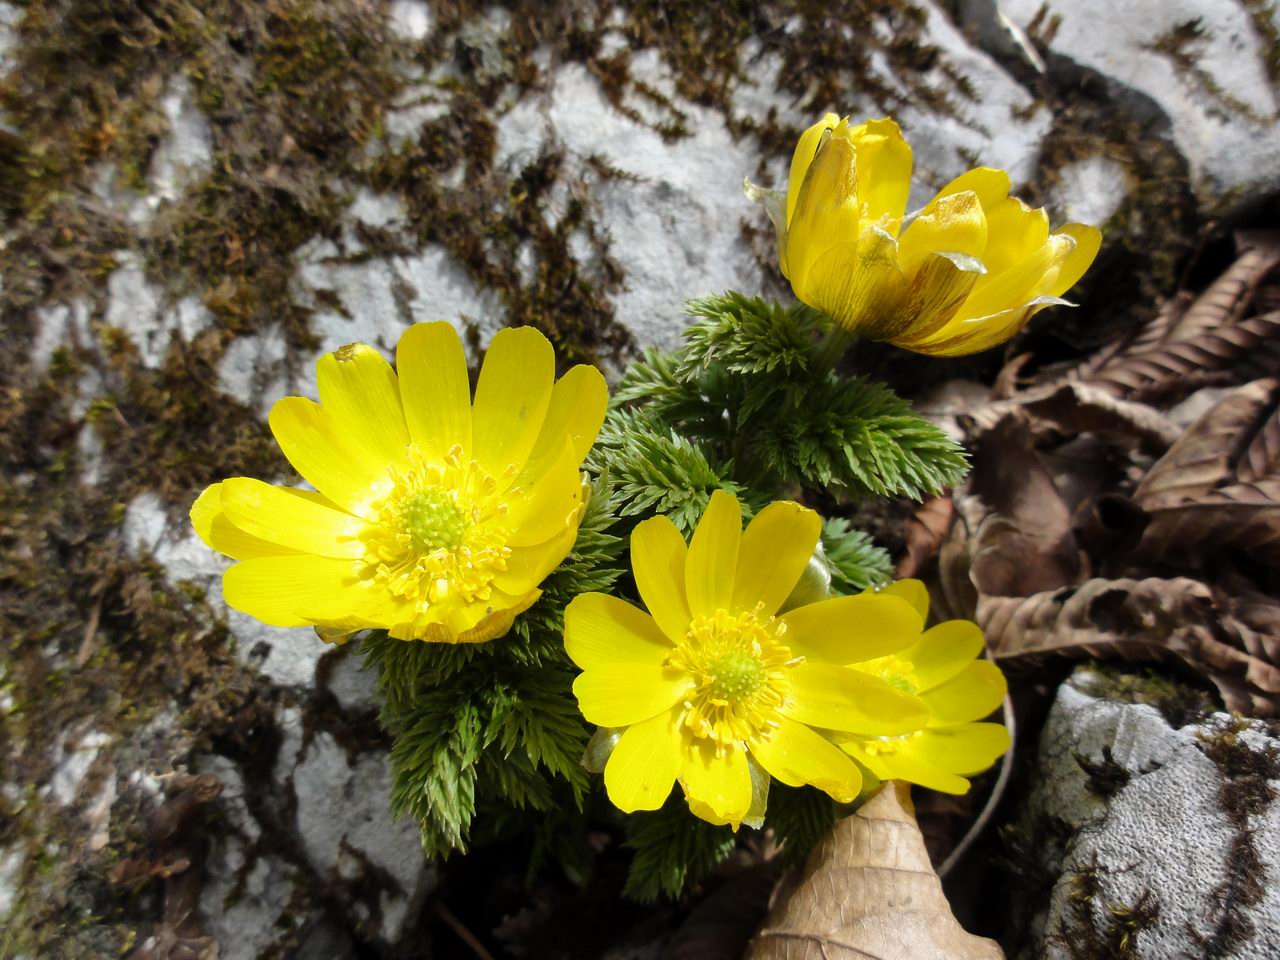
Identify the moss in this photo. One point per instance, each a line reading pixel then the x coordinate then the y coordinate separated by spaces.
pixel 1107 930
pixel 1178 701
pixel 1179 45
pixel 1106 777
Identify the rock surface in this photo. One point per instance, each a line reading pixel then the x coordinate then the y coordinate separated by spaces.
pixel 1164 837
pixel 189 232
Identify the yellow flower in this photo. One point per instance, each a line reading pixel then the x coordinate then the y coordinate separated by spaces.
pixel 940 668
pixel 432 517
pixel 713 686
pixel 962 275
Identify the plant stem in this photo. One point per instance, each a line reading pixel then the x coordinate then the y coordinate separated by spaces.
pixel 834 346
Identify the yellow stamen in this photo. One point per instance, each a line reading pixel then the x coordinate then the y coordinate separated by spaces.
pixel 740 666
pixel 438 534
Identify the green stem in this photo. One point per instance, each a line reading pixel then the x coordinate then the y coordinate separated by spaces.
pixel 834 346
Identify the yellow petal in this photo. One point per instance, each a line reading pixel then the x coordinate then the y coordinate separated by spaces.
pixel 362 394
pixel 298 519
pixel 844 698
pixel 939 289
pixel 950 224
pixel 851 629
pixel 550 505
pixel 944 651
pixel 903 764
pixel 658 555
pixel 883 160
pixel 435 388
pixel 497 622
pixel 574 414
pixel 212 526
pixel 796 755
pixel 600 630
pixel 620 694
pixel 512 397
pixel 713 556
pixel 1008 288
pixel 873 762
pixel 776 548
pixel 722 783
pixel 644 763
pixel 1015 232
pixel 912 591
pixel 476 622
pixel 975 692
pixel 991 186
pixel 327 459
pixel 826 212
pixel 529 566
pixel 1088 240
pixel 960 337
pixel 298 590
pixel 858 283
pixel 806 149
pixel 965 749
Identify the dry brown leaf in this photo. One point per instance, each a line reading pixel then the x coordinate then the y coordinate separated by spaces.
pixel 1204 456
pixel 1226 298
pixel 868 892
pixel 926 529
pixel 1178 366
pixel 1262 457
pixel 1078 407
pixel 1244 515
pixel 1025 543
pixel 1227 639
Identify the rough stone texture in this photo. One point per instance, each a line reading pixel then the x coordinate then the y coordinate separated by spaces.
pixel 1199 66
pixel 302 813
pixel 1147 843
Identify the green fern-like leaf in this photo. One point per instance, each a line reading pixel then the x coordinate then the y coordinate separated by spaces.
pixel 799 817
pixel 655 470
pixel 673 849
pixel 746 336
pixel 855 561
pixel 859 436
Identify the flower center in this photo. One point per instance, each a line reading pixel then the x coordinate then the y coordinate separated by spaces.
pixel 736 674
pixel 439 534
pixel 432 520
pixel 740 666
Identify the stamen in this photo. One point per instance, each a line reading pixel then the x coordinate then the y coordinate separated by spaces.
pixel 437 535
pixel 740 667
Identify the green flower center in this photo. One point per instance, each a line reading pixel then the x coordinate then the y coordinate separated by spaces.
pixel 736 674
pixel 432 520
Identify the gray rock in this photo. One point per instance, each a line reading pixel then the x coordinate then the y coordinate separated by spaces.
pixel 349 835
pixel 1200 65
pixel 11 864
pixel 249 904
pixel 1167 837
pixel 185 154
pixel 410 19
pixel 352 686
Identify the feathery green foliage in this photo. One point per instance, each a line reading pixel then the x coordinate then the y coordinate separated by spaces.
pixel 798 817
pixel 754 387
pixel 853 558
pixel 488 740
pixel 655 470
pixel 673 850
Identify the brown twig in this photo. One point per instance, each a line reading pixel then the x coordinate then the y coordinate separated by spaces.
pixel 465 935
